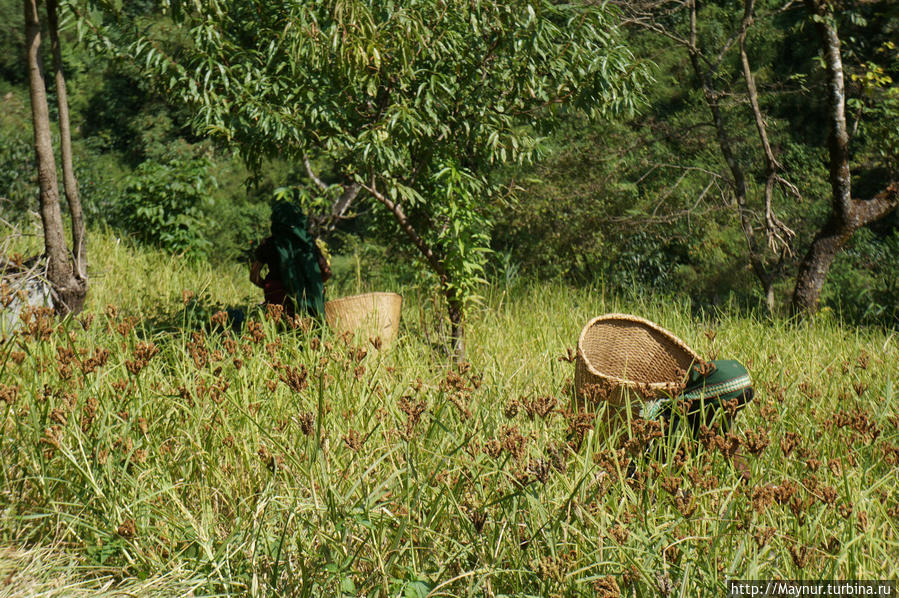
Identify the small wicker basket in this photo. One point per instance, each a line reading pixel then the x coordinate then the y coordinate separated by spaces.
pixel 623 360
pixel 371 314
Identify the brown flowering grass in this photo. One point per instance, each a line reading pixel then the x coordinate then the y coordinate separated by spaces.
pixel 145 436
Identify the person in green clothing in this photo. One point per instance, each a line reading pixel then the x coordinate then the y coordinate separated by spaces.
pixel 721 386
pixel 297 269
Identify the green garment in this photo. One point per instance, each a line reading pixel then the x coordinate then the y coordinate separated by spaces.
pixel 725 382
pixel 297 260
pixel 728 380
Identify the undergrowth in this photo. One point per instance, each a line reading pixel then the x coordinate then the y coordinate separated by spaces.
pixel 146 436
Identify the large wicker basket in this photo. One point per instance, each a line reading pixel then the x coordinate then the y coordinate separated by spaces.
pixel 371 314
pixel 623 360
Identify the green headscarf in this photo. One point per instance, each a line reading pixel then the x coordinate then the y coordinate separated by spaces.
pixel 297 261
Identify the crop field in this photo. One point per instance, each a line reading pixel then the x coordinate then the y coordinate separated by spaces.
pixel 148 449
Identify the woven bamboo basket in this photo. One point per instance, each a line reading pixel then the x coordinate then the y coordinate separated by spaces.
pixel 371 314
pixel 623 360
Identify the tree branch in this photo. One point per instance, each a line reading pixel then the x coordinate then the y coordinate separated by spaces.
pixel 340 206
pixel 400 216
pixel 865 211
pixel 318 182
pixel 777 232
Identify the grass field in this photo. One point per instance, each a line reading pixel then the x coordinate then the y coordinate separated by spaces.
pixel 144 451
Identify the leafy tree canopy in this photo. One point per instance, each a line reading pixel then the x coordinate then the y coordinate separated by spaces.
pixel 415 101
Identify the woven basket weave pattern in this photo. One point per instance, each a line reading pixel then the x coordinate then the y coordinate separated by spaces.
pixel 376 314
pixel 620 351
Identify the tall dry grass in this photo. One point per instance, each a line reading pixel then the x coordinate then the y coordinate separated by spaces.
pixel 144 441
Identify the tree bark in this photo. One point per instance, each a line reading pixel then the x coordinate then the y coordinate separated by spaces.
pixel 69 291
pixel 454 304
pixel 830 241
pixel 68 172
pixel 457 327
pixel 846 214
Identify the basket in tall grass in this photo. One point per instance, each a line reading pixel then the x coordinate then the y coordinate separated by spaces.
pixel 370 314
pixel 624 359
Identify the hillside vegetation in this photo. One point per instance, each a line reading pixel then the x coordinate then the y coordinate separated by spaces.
pixel 645 200
pixel 147 449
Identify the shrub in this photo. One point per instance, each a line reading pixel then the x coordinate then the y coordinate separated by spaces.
pixel 161 204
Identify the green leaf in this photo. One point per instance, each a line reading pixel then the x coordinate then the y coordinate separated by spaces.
pixel 417 589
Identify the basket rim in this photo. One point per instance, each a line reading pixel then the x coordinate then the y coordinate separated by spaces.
pixel 638 320
pixel 376 294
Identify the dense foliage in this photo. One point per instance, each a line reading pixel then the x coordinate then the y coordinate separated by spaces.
pixel 414 109
pixel 652 201
pixel 641 202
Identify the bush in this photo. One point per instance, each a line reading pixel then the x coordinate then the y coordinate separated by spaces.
pixel 161 204
pixel 864 281
pixel 18 176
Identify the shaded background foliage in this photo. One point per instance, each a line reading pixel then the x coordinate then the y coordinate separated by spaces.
pixel 638 204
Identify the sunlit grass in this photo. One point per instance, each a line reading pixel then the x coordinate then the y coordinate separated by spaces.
pixel 282 461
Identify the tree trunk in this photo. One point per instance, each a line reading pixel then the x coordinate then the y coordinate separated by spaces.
pixel 830 241
pixel 763 273
pixel 817 261
pixel 846 214
pixel 768 289
pixel 457 327
pixel 454 304
pixel 68 290
pixel 65 134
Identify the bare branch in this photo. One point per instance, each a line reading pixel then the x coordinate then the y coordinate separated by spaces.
pixel 778 233
pixel 318 182
pixel 340 207
pixel 866 211
pixel 400 216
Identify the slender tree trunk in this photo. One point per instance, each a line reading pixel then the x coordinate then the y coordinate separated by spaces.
pixel 65 134
pixel 457 326
pixel 762 272
pixel 846 214
pixel 454 304
pixel 69 291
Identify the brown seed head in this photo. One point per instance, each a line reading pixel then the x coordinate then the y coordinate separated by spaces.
pixel 294 377
pixel 619 533
pixel 756 441
pixel 219 319
pixel 256 331
pixel 307 423
pixel 541 406
pixel 512 408
pixel 9 393
pixel 513 441
pixel 788 442
pixel 671 484
pixel 128 529
pixel 606 587
pixel 354 440
pixel 274 312
pixel 800 555
pixel 762 535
